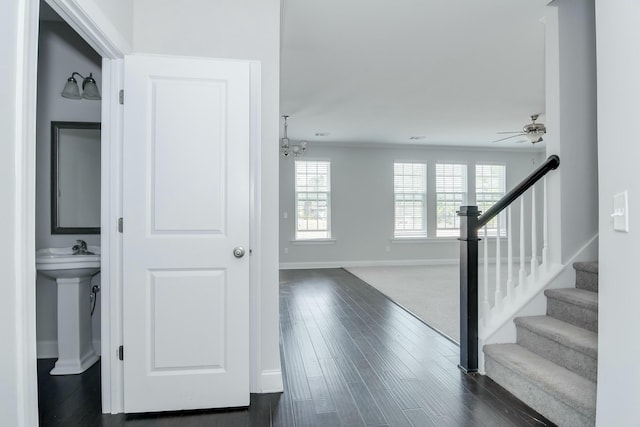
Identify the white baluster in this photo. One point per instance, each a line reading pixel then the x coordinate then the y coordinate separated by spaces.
pixel 545 231
pixel 522 273
pixel 509 256
pixel 498 296
pixel 534 237
pixel 486 307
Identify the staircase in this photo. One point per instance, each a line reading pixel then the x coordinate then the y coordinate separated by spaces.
pixel 552 367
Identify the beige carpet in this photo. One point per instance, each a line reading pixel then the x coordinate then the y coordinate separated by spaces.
pixel 431 293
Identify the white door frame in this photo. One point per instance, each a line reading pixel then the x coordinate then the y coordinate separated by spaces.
pixel 26 84
pixel 89 25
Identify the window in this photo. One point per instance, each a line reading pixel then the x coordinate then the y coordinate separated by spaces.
pixel 490 187
pixel 451 193
pixel 313 190
pixel 410 193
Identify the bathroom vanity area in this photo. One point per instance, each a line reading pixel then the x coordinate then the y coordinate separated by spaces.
pixel 68 265
pixel 73 271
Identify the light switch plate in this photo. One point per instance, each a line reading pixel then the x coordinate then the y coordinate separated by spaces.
pixel 620 213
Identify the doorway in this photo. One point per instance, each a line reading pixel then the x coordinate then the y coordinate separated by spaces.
pixel 111 193
pixel 61 52
pixel 108 60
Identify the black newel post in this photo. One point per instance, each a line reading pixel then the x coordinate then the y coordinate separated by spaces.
pixel 468 288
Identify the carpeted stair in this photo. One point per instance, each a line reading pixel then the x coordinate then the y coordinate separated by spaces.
pixel 552 367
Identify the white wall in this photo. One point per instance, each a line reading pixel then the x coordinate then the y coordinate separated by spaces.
pixel 362 216
pixel 61 52
pixel 9 264
pixel 618 153
pixel 240 30
pixel 571 124
pixel 18 379
pixel 113 19
pixel 118 14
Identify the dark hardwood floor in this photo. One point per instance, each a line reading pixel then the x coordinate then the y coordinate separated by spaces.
pixel 351 357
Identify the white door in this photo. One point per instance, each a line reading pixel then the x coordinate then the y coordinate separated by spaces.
pixel 185 209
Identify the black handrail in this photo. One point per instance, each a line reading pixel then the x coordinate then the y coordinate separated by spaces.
pixel 470 222
pixel 550 164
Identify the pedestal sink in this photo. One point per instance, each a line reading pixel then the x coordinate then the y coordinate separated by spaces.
pixel 72 274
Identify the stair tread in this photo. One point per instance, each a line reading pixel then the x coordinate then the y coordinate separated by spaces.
pixel 571 336
pixel 591 266
pixel 579 297
pixel 570 388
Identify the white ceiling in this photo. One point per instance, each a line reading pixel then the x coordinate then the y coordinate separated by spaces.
pixel 381 71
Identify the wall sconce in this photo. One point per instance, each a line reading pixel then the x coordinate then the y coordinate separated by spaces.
pixel 287 150
pixel 89 88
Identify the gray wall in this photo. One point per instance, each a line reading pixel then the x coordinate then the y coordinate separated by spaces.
pixel 61 51
pixel 362 204
pixel 572 123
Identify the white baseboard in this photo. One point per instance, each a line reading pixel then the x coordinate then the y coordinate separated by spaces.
pixel 48 349
pixel 385 263
pixel 271 381
pixel 382 263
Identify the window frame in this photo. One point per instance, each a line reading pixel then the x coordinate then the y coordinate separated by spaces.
pixel 414 233
pixel 491 225
pixel 298 237
pixel 449 232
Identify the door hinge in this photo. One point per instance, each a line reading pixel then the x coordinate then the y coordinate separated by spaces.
pixel 120 224
pixel 121 352
pixel 121 96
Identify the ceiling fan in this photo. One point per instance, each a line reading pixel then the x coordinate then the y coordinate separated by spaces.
pixel 532 131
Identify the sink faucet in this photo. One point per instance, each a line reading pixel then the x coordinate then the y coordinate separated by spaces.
pixel 80 248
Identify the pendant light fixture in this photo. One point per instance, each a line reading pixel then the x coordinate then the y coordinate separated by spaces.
pixel 287 149
pixel 89 88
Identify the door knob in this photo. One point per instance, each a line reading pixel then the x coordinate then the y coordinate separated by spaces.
pixel 238 252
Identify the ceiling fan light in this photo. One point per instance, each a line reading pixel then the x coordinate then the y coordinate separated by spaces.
pixel 533 137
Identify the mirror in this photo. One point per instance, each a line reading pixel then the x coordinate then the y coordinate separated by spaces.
pixel 75 178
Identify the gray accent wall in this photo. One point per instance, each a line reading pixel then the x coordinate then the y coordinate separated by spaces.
pixel 61 52
pixel 362 207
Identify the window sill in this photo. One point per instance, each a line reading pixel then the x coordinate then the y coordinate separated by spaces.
pixel 313 242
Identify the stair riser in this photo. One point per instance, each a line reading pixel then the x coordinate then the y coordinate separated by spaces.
pixel 575 361
pixel 587 280
pixel 537 398
pixel 573 314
